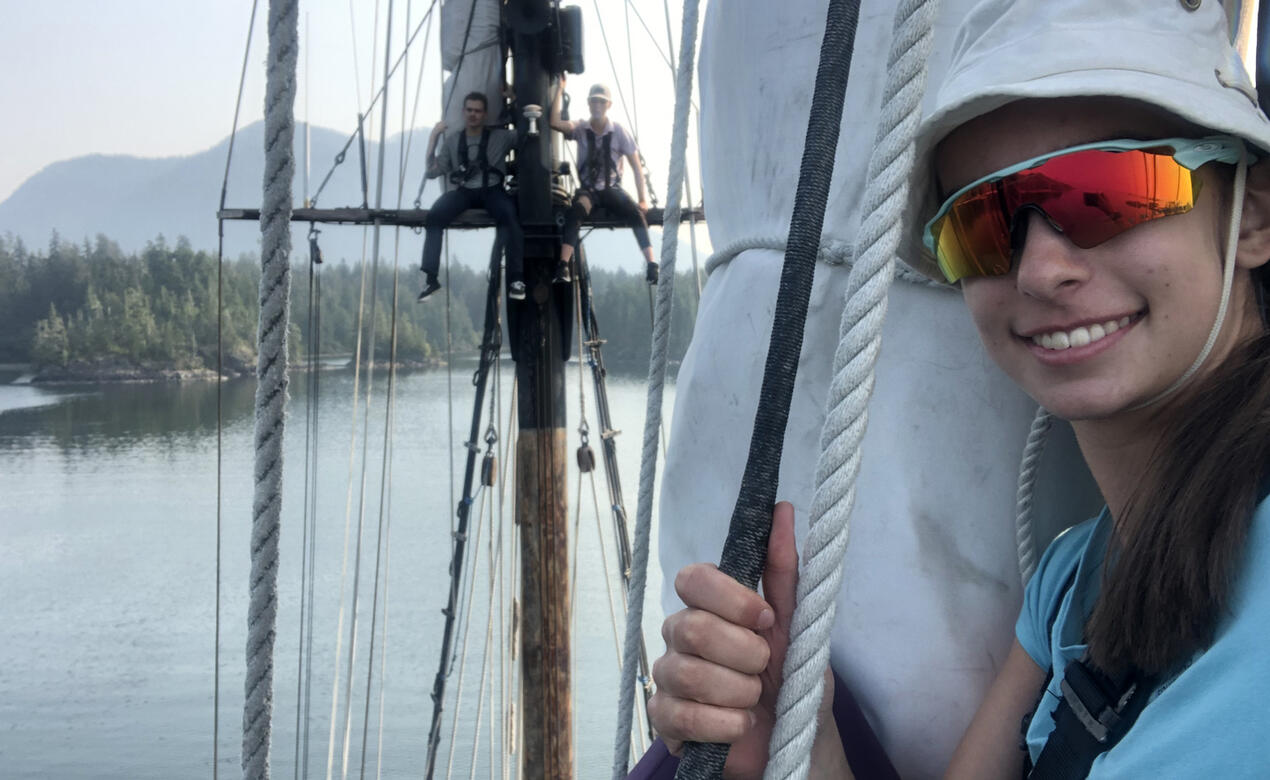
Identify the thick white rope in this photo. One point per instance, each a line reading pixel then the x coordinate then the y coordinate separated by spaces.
pixel 656 386
pixel 847 412
pixel 271 383
pixel 1028 468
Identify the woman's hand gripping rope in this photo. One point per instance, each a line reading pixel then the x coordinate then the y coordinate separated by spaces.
pixel 721 673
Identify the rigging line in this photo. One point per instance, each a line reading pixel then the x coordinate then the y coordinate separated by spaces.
pixel 449 378
pixel 309 491
pixel 348 509
pixel 220 352
pixel 307 125
pixel 220 359
pixel 312 551
pixel 480 695
pixel 370 376
pixel 357 76
pixel 383 658
pixel 339 157
pixel 392 376
pixel 404 145
pixel 414 111
pixel 652 39
pixel 630 64
pixel 460 655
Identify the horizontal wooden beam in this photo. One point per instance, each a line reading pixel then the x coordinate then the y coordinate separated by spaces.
pixel 472 219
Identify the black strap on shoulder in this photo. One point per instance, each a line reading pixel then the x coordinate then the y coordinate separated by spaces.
pixel 589 163
pixel 608 160
pixel 1094 713
pixel 464 170
pixel 482 156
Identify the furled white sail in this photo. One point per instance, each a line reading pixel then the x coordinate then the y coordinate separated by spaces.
pixel 471 55
pixel 931 584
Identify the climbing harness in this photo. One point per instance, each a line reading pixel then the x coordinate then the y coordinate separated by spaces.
pixel 598 157
pixel 465 168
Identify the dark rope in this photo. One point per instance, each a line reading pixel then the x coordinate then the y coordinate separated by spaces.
pixel 491 343
pixel 745 550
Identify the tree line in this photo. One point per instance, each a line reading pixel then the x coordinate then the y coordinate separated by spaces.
pixel 90 303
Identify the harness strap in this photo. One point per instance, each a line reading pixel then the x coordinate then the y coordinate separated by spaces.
pixel 1093 714
pixel 592 164
pixel 464 171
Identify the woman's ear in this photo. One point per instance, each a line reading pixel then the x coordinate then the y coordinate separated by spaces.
pixel 1254 225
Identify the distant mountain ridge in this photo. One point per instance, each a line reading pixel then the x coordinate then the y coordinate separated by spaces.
pixel 132 200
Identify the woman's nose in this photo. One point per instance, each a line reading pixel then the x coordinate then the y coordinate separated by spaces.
pixel 1048 262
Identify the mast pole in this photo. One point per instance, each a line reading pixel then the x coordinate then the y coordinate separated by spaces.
pixel 540 336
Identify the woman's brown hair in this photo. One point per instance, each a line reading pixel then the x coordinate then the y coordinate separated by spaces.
pixel 1180 543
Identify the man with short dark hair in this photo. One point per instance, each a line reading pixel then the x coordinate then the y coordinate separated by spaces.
pixel 475 159
pixel 602 145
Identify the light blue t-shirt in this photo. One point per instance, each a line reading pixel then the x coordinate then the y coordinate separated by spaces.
pixel 1213 719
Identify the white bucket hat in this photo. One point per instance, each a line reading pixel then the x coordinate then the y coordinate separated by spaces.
pixel 1174 54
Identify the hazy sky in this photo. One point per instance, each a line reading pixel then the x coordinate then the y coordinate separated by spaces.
pixel 156 78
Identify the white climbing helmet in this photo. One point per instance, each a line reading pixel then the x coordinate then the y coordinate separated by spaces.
pixel 1174 54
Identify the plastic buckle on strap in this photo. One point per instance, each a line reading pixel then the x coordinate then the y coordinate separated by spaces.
pixel 1108 717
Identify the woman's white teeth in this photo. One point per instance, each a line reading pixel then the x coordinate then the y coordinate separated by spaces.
pixel 1079 337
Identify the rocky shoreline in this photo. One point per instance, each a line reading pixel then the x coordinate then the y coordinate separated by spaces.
pixel 78 372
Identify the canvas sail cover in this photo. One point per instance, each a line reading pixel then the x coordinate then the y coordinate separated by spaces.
pixel 471 55
pixel 931 584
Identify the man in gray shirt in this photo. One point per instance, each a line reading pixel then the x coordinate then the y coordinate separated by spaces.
pixel 475 159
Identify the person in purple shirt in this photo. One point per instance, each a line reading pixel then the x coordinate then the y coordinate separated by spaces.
pixel 602 145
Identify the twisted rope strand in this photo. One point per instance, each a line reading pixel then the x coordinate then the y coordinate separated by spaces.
pixel 1028 468
pixel 271 383
pixel 847 414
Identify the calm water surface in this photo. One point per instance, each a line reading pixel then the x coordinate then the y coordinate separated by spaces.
pixel 108 501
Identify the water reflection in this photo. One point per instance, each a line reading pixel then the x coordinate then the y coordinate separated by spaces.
pixel 94 416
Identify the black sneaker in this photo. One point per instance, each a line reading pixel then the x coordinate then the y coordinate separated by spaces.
pixel 432 286
pixel 562 274
pixel 651 272
pixel 516 291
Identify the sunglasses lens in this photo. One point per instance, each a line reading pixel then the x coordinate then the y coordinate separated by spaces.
pixel 1097 195
pixel 973 238
pixel 1091 196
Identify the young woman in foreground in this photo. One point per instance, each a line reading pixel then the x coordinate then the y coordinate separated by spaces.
pixel 1090 179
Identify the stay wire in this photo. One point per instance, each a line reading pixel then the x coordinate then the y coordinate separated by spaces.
pixel 348 510
pixel 340 156
pixel 392 375
pixel 220 418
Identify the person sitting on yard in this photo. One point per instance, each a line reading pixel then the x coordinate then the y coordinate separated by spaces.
pixel 602 143
pixel 475 159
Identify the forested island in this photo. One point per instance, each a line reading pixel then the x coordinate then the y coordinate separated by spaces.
pixel 89 312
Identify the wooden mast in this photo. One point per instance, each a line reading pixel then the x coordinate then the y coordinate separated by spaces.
pixel 540 345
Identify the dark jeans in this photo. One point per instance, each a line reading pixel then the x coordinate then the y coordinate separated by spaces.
pixel 453 203
pixel 616 202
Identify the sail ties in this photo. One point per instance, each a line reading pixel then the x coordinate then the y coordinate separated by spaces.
pixel 832 252
pixel 847 408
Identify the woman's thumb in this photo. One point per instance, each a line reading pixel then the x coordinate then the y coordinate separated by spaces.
pixel 780 577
